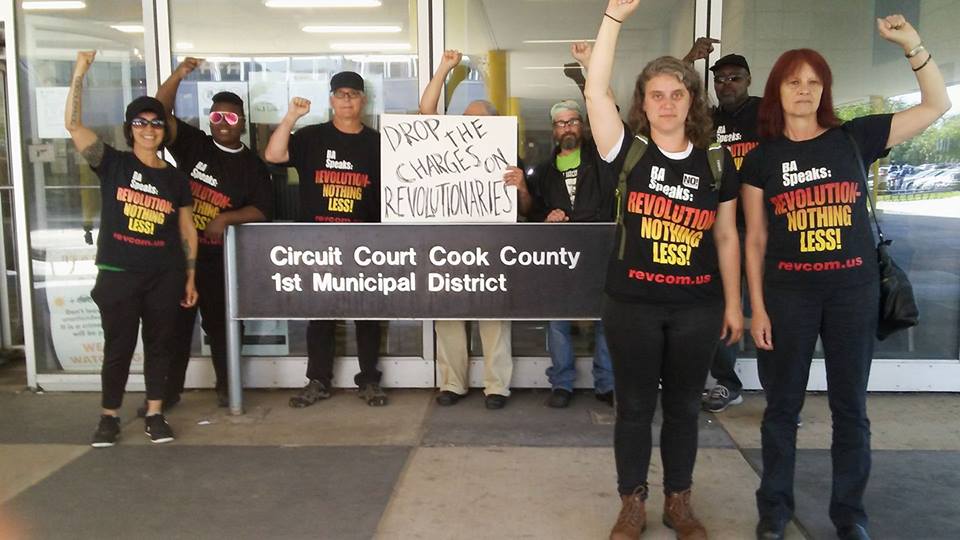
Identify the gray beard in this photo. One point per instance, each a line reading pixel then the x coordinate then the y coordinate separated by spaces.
pixel 569 142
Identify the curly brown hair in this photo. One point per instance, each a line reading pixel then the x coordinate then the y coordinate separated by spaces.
pixel 698 125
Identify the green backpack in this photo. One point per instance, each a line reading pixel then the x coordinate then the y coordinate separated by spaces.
pixel 638 146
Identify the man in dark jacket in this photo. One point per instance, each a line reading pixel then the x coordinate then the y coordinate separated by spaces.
pixel 567 187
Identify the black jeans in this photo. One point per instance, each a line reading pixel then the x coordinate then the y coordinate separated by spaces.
pixel 659 345
pixel 124 299
pixel 321 347
pixel 212 305
pixel 724 366
pixel 846 320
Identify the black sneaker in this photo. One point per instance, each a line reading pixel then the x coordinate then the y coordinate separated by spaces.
pixel 157 428
pixel 168 404
pixel 721 397
pixel 107 433
pixel 313 392
pixel 372 394
pixel 560 398
pixel 495 401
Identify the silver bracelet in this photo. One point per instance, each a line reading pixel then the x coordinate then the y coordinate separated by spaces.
pixel 916 50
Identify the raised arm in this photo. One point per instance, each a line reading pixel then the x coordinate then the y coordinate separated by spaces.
pixel 167 93
pixel 84 139
pixel 934 101
pixel 700 50
pixel 756 247
pixel 601 107
pixel 582 51
pixel 278 147
pixel 431 94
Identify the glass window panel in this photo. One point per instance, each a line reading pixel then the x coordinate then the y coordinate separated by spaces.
pixel 533 38
pixel 919 182
pixel 63 208
pixel 264 55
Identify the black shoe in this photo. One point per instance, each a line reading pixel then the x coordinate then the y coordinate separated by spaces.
pixel 372 394
pixel 157 428
pixel 560 398
pixel 223 397
pixel 168 404
pixel 313 392
pixel 721 397
pixel 853 532
pixel 495 401
pixel 447 398
pixel 770 529
pixel 107 432
pixel 606 397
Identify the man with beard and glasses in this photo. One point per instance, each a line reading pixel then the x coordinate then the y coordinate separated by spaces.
pixel 567 188
pixel 230 185
pixel 735 121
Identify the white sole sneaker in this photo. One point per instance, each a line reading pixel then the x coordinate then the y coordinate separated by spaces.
pixel 159 441
pixel 102 444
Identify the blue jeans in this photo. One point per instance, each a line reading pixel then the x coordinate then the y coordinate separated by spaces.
pixel 845 319
pixel 563 372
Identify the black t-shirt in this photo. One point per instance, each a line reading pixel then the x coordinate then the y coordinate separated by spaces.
pixel 220 181
pixel 339 174
pixel 737 131
pixel 139 222
pixel 819 231
pixel 670 255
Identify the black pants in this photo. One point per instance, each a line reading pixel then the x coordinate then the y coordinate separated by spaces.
pixel 321 347
pixel 724 366
pixel 846 320
pixel 212 306
pixel 124 299
pixel 659 345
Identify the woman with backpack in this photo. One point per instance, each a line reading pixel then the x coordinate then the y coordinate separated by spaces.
pixel 673 280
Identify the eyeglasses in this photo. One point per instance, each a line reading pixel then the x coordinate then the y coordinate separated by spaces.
pixel 573 122
pixel 139 122
pixel 722 79
pixel 231 118
pixel 344 94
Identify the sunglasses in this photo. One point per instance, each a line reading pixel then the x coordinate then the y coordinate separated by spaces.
pixel 720 79
pixel 346 94
pixel 231 118
pixel 139 122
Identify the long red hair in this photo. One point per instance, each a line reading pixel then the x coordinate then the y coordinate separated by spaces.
pixel 770 116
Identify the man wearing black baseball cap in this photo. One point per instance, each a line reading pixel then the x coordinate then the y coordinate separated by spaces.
pixel 735 121
pixel 328 157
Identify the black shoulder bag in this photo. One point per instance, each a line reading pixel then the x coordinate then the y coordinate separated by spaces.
pixel 898 307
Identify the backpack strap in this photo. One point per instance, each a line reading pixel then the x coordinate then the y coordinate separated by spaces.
pixel 638 147
pixel 715 157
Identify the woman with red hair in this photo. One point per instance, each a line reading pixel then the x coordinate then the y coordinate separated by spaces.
pixel 812 266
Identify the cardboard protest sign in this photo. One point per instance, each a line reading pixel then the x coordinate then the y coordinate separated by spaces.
pixel 447 169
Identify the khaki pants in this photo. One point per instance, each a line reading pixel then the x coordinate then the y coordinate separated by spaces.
pixel 452 356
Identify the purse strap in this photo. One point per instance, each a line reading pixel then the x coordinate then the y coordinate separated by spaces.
pixel 866 188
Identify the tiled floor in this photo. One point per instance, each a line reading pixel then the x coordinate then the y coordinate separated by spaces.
pixel 342 470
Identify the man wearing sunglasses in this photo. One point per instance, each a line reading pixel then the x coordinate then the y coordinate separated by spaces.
pixel 567 187
pixel 735 120
pixel 230 185
pixel 338 163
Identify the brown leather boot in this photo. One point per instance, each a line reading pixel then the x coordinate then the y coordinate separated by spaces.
pixel 633 516
pixel 678 515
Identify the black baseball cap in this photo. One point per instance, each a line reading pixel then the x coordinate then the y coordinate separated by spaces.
pixel 346 79
pixel 145 104
pixel 731 60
